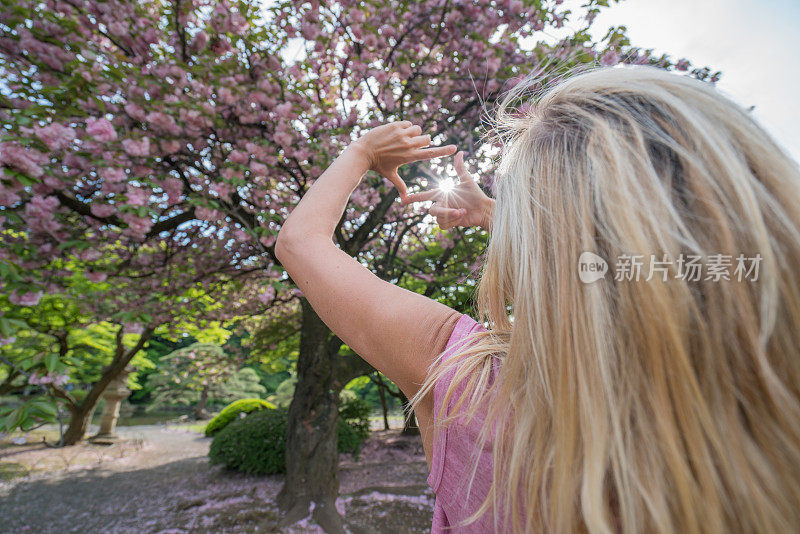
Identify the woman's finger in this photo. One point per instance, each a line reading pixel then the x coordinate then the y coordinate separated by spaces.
pixel 441 211
pixel 398 183
pixel 405 124
pixel 422 196
pixel 435 152
pixel 415 130
pixel 445 223
pixel 421 141
pixel 461 169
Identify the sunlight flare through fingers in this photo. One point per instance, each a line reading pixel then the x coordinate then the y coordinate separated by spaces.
pixel 447 185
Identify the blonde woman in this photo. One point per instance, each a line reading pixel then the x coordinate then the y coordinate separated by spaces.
pixel 665 402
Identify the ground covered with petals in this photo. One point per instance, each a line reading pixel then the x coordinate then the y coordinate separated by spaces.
pixel 159 480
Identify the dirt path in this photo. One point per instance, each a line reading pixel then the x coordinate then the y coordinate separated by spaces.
pixel 160 480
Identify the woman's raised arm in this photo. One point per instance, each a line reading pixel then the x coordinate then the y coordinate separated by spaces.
pixel 398 331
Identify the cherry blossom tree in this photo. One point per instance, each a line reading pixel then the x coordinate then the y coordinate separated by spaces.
pixel 116 161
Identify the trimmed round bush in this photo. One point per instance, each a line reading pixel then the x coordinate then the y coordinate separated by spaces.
pixel 232 412
pixel 255 444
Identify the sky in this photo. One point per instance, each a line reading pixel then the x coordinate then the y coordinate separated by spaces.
pixel 754 43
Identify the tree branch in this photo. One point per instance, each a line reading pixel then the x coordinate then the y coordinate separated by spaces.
pixel 350 366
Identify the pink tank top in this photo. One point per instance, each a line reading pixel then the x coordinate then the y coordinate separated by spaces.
pixel 452 460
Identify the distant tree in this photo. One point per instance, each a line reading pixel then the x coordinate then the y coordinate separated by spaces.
pixel 60 358
pixel 244 384
pixel 284 393
pixel 195 374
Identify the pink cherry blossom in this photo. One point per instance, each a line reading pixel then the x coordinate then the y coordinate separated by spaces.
pixel 25 299
pixel 267 295
pixel 173 187
pixel 102 210
pixel 40 214
pixel 140 148
pixel 284 110
pixel 283 138
pixel 55 136
pixel 162 122
pixel 222 189
pixel 371 41
pixel 96 276
pixel 137 196
pixel 101 129
pixel 237 156
pixel 26 160
pixel 309 31
pixel 135 111
pixel 170 146
pixel 137 226
pixel 8 197
pixel 89 254
pixel 199 41
pixel 610 58
pixel 206 214
pixel 258 169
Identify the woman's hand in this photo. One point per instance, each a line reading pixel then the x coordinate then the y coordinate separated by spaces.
pixel 391 145
pixel 465 205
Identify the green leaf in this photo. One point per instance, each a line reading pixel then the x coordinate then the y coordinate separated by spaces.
pixel 51 362
pixel 13 419
pixel 26 180
pixel 27 424
pixel 17 323
pixel 5 327
pixel 43 409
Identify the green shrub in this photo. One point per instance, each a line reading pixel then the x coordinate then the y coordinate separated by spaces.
pixel 255 444
pixel 233 411
pixel 350 439
pixel 355 412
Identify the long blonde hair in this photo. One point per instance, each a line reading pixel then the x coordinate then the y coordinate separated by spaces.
pixel 637 406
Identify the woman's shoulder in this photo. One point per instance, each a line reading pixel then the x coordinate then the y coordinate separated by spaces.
pixel 465 325
pixel 459 339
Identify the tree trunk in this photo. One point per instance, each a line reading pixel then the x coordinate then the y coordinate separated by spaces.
pixel 410 427
pixel 80 417
pixel 81 413
pixel 312 459
pixel 200 407
pixel 382 395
